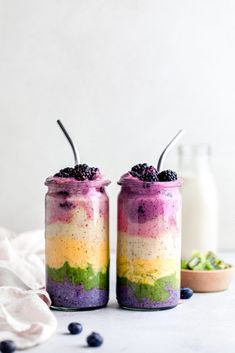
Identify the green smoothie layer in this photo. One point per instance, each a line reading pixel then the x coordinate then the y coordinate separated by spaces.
pixel 85 276
pixel 159 291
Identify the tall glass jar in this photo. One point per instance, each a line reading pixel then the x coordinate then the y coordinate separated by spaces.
pixel 77 243
pixel 200 204
pixel 148 253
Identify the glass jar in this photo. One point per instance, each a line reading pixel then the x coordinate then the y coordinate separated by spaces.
pixel 200 204
pixel 148 252
pixel 77 243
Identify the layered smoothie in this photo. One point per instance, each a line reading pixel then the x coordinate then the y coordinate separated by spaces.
pixel 77 239
pixel 149 228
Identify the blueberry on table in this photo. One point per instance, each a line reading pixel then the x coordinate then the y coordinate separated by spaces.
pixel 75 328
pixel 94 340
pixel 186 293
pixel 7 346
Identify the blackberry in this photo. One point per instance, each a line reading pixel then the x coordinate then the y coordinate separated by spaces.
pixel 138 168
pixel 149 177
pixel 94 172
pixel 135 174
pixel 80 172
pixel 167 175
pixel 144 172
pixel 149 174
pixel 68 170
pixel 65 173
pixel 82 166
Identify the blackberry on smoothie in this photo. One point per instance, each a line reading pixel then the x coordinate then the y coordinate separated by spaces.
pixel 149 233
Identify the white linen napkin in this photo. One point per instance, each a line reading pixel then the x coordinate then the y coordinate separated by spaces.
pixel 25 316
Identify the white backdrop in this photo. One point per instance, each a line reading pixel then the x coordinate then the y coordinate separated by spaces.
pixel 124 76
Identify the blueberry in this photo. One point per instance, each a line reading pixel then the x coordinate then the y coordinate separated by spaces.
pixel 63 193
pixel 75 328
pixel 94 340
pixel 67 205
pixel 7 346
pixel 186 293
pixel 141 209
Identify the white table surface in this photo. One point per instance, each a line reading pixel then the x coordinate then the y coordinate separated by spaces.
pixel 203 324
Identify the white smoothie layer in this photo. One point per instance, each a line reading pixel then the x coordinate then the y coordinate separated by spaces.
pixel 165 245
pixel 80 227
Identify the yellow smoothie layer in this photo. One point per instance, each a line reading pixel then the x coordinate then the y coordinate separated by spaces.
pixel 147 271
pixel 78 253
pixel 167 245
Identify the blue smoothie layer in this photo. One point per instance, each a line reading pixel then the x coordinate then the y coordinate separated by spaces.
pixel 68 295
pixel 127 298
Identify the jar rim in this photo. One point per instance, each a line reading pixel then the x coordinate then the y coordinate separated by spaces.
pixel 71 182
pixel 153 184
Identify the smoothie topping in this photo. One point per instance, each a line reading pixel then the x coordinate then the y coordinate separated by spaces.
pixel 149 173
pixel 144 172
pixel 138 168
pixel 80 172
pixel 167 175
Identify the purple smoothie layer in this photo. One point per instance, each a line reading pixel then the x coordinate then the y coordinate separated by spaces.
pixel 66 195
pixel 127 298
pixel 67 295
pixel 148 200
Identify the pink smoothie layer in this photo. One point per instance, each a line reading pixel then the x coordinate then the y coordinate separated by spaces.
pixel 148 209
pixel 65 202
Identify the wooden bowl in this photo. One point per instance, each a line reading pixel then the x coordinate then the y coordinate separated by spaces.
pixel 207 281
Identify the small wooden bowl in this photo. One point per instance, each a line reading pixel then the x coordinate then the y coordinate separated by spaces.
pixel 207 281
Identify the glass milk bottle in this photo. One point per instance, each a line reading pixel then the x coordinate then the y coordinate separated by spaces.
pixel 199 198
